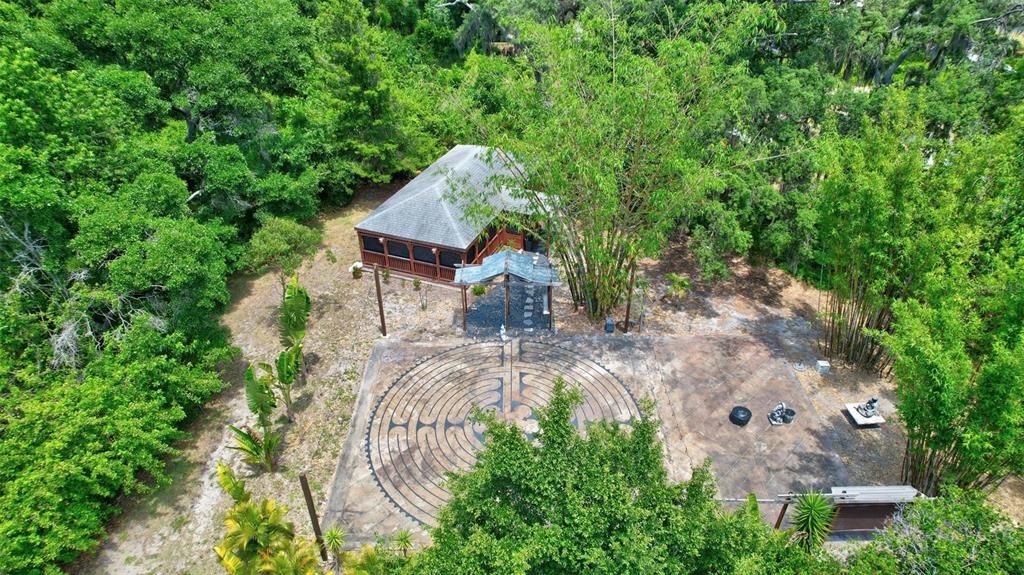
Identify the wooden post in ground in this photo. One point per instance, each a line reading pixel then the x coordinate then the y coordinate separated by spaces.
pixel 312 516
pixel 551 308
pixel 464 306
pixel 380 301
pixel 508 295
pixel 629 295
pixel 782 513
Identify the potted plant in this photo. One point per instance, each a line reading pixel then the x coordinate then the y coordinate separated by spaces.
pixel 416 283
pixel 356 270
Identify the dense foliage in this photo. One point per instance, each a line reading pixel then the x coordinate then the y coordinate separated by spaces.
pixel 956 533
pixel 150 148
pixel 142 144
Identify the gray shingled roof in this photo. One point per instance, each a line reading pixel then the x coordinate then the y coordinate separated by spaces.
pixel 428 210
pixel 531 267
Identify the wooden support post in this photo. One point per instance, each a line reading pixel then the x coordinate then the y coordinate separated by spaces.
pixel 312 516
pixel 464 306
pixel 508 295
pixel 551 308
pixel 629 295
pixel 380 301
pixel 782 513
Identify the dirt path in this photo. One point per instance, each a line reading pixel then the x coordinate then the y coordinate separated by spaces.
pixel 173 530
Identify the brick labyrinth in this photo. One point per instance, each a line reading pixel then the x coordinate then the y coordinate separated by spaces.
pixel 418 429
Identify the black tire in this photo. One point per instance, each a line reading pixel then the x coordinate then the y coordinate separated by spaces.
pixel 740 415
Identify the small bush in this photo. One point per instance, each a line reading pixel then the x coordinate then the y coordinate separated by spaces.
pixel 416 284
pixel 678 285
pixel 385 275
pixel 479 290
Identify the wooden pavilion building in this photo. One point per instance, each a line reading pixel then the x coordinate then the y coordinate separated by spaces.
pixel 424 229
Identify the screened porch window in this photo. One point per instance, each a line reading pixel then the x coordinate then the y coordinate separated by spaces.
pixel 422 254
pixel 450 259
pixel 398 250
pixel 372 244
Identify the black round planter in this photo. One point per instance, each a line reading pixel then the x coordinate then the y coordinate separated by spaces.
pixel 739 415
pixel 788 415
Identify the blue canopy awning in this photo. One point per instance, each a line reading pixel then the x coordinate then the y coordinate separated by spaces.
pixel 525 266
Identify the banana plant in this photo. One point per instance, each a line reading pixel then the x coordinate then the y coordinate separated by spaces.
pixel 294 313
pixel 288 365
pixel 232 485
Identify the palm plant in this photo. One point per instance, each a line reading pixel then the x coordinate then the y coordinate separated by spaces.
pixel 296 557
pixel 252 532
pixel 813 519
pixel 334 540
pixel 230 484
pixel 256 449
pixel 403 541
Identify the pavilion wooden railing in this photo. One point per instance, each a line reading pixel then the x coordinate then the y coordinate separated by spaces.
pixel 498 241
pixel 427 270
pixel 373 259
pixel 399 264
pixel 420 268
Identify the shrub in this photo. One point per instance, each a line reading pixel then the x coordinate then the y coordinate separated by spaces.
pixel 281 245
pixel 678 285
pixel 479 290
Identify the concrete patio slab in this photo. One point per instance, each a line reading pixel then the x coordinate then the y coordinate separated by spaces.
pixel 409 425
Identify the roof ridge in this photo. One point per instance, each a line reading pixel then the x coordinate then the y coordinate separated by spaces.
pixel 451 169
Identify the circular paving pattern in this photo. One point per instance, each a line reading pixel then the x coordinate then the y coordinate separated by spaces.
pixel 418 430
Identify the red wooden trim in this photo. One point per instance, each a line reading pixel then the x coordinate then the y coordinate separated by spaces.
pixel 413 240
pixel 410 265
